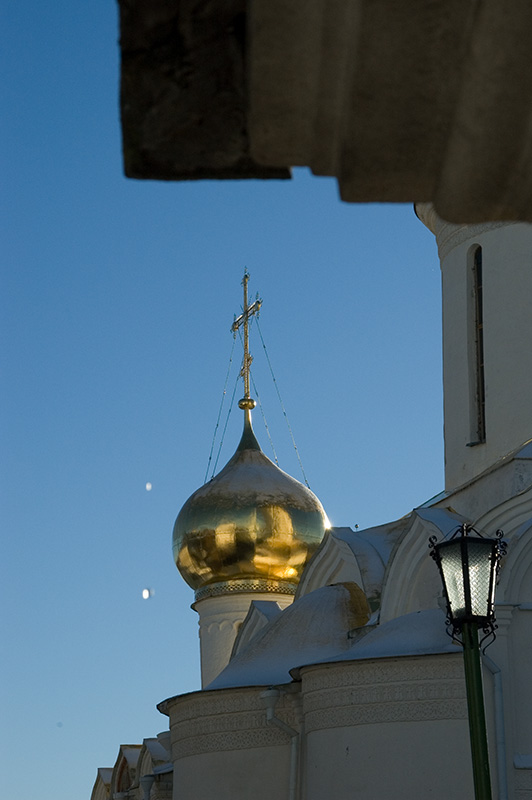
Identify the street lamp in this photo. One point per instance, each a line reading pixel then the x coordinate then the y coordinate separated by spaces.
pixel 468 566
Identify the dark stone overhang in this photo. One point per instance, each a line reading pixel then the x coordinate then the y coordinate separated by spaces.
pixel 401 101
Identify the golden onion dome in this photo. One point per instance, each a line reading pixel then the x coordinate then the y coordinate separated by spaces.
pixel 252 528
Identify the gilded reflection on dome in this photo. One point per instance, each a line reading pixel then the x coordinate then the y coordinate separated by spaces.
pixel 250 526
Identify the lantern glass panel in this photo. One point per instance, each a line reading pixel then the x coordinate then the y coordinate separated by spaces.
pixel 451 565
pixel 473 557
pixel 479 565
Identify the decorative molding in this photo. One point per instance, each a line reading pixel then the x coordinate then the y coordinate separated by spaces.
pixel 351 716
pixel 210 703
pixel 510 514
pixel 515 520
pixel 234 720
pixel 386 691
pixel 222 625
pixel 448 234
pixel 236 740
pixel 417 688
pixel 242 585
pixel 382 671
pixel 225 723
pixel 222 723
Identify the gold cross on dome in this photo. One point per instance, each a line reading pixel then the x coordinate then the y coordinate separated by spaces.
pixel 243 320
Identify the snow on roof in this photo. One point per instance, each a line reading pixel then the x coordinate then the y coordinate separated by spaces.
pixel 372 548
pixel 156 750
pixel 381 538
pixel 415 634
pixel 105 774
pixel 359 556
pixel 164 769
pixel 309 630
pixel 131 753
pixel 314 631
pixel 444 520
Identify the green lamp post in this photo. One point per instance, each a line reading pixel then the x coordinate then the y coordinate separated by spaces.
pixel 469 564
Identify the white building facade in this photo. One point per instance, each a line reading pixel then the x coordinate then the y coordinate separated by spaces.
pixel 340 680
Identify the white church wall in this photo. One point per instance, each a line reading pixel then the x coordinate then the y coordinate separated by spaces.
pixel 521 657
pixel 523 784
pixel 220 618
pixel 102 784
pixel 124 776
pixel 260 773
pixel 402 760
pixel 500 497
pixel 223 746
pixel 412 582
pixel 515 583
pixel 387 728
pixel 507 332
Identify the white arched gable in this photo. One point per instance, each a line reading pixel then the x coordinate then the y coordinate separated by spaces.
pixel 508 516
pixel 261 612
pixel 125 769
pixel 145 762
pixel 515 584
pixel 412 582
pixel 154 756
pixel 102 784
pixel 347 556
pixel 334 562
pixel 514 518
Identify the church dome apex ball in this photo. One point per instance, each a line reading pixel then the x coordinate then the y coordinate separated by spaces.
pixel 247 403
pixel 251 528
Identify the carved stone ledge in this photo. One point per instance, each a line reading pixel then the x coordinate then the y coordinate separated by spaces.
pixel 228 720
pixel 449 235
pixel 391 690
pixel 236 740
pixel 391 693
pixel 382 670
pixel 351 716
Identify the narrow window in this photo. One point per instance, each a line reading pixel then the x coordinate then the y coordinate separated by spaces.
pixel 477 384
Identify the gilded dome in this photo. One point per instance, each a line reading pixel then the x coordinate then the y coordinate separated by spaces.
pixel 251 528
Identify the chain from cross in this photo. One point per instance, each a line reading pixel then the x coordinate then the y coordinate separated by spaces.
pixel 243 320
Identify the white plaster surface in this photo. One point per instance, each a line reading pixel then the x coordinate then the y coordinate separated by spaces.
pixel 219 620
pixel 507 333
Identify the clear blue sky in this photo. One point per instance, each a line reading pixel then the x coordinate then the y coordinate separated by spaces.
pixel 117 298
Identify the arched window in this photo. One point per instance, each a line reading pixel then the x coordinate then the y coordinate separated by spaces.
pixel 477 387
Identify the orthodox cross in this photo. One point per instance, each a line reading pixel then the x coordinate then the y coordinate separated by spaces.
pixel 243 320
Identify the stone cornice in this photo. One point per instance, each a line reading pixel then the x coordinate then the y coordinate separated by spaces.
pixel 226 720
pixel 449 235
pixel 391 690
